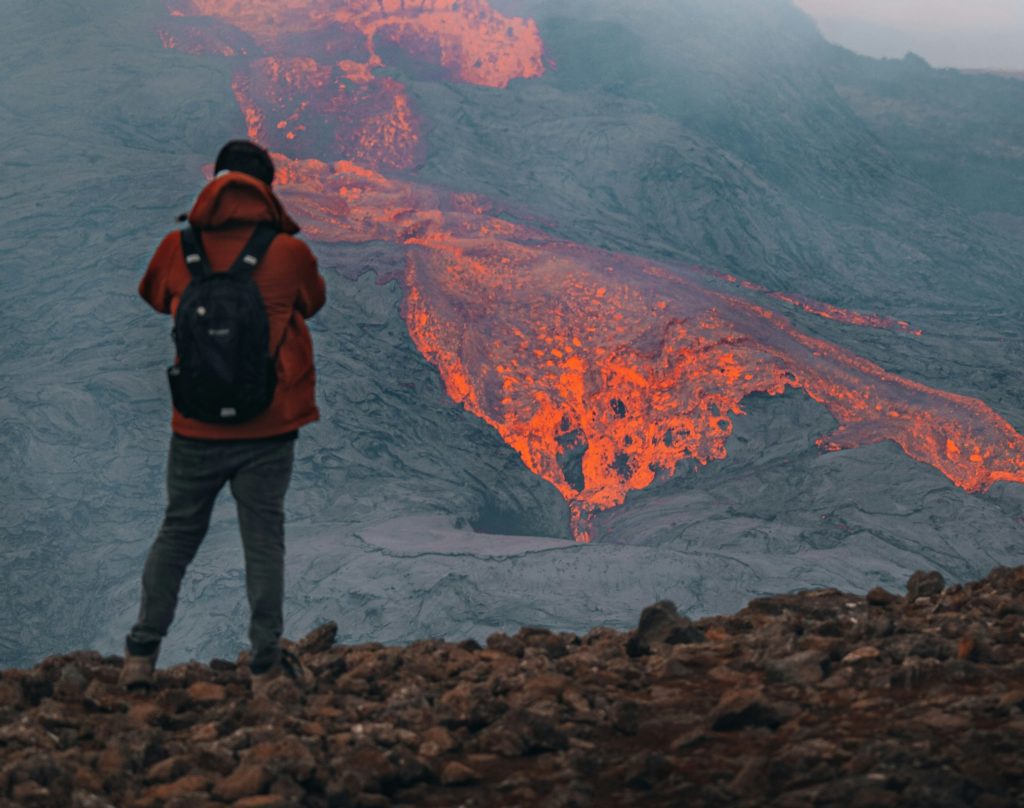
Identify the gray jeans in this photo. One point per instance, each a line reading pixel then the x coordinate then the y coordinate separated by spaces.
pixel 259 472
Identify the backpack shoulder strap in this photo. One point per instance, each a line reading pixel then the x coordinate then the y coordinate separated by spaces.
pixel 195 255
pixel 254 250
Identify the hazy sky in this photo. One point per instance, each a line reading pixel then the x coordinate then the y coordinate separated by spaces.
pixel 948 33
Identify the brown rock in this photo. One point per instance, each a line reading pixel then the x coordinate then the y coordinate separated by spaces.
pixel 408 738
pixel 880 597
pixel 442 737
pixel 246 780
pixel 189 784
pixel 364 768
pixel 543 639
pixel 470 705
pixel 71 683
pixel 727 675
pixel 457 774
pixel 927 706
pixel 966 647
pixel 508 645
pixel 215 758
pixel 924 584
pixel 311 729
pixel 864 652
pixel 502 740
pixel 287 756
pixel 86 779
pixel 740 709
pixel 111 762
pixel 437 741
pixel 30 792
pixel 55 715
pixel 409 769
pixel 202 733
pixel 661 623
pixel 367 800
pixel 938 720
pixel 143 714
pixel 380 733
pixel 327 714
pixel 803 667
pixel 352 683
pixel 99 697
pixel 626 717
pixel 546 684
pixel 497 657
pixel 11 693
pixel 687 739
pixel 345 787
pixel 644 769
pixel 168 769
pixel 879 625
pixel 573 698
pixel 262 801
pixel 207 693
pixel 319 639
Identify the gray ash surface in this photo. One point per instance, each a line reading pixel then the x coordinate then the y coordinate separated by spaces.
pixel 729 135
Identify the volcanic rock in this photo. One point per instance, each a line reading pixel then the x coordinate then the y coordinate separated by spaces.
pixel 880 597
pixel 661 623
pixel 924 584
pixel 455 774
pixel 795 700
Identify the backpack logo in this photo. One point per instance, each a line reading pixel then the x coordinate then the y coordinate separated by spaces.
pixel 225 372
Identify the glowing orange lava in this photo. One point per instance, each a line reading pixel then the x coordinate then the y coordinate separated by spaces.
pixel 315 84
pixel 602 371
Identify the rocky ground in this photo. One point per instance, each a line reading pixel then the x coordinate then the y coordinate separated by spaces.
pixel 817 698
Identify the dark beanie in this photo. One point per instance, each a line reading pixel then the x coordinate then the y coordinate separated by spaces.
pixel 247 157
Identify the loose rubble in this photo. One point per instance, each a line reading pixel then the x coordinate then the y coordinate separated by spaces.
pixel 810 699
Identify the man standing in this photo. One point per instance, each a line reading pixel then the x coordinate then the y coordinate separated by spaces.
pixel 254 455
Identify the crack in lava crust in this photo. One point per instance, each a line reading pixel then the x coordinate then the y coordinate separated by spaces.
pixel 602 371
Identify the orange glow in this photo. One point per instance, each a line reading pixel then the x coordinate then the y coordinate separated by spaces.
pixel 824 310
pixel 842 315
pixel 335 100
pixel 468 38
pixel 629 366
pixel 319 105
pixel 603 371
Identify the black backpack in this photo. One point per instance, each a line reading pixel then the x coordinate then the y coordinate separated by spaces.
pixel 225 372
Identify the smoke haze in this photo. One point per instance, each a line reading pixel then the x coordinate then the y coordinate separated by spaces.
pixel 948 33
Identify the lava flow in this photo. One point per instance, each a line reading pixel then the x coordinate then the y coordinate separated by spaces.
pixel 311 89
pixel 602 371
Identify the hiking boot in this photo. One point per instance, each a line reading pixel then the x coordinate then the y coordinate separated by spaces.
pixel 137 671
pixel 288 671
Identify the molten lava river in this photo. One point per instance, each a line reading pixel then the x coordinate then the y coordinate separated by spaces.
pixel 602 371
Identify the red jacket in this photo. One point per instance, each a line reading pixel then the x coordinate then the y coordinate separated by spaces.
pixel 288 280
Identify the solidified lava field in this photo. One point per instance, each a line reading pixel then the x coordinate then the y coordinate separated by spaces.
pixel 687 283
pixel 627 367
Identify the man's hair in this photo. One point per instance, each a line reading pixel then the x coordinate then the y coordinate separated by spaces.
pixel 247 157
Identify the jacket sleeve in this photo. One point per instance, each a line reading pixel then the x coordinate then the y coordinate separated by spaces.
pixel 312 291
pixel 154 287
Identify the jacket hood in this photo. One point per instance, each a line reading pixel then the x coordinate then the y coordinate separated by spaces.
pixel 236 198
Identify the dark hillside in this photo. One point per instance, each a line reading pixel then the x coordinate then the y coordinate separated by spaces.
pixel 962 135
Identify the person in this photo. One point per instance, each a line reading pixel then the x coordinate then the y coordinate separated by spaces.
pixel 253 457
